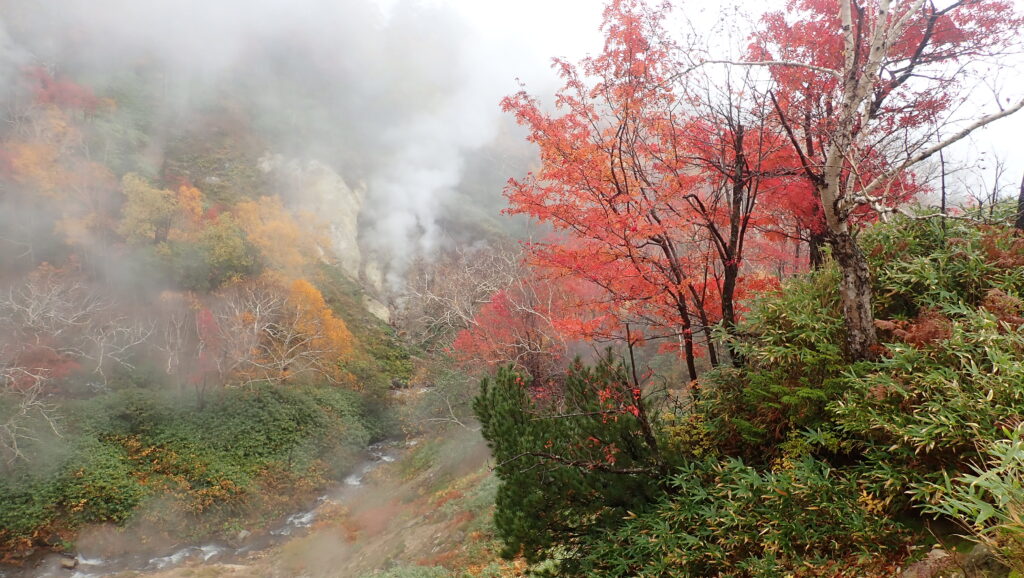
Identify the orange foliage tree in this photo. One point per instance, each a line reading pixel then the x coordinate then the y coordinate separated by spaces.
pixel 262 330
pixel 46 157
pixel 151 215
pixel 286 244
pixel 654 179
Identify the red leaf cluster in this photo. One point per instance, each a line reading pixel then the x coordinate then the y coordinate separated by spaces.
pixel 1006 308
pixel 928 327
pixel 62 93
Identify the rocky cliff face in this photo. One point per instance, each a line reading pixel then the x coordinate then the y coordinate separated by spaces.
pixel 313 187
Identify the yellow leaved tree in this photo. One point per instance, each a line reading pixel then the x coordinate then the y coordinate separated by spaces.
pixel 273 331
pixel 151 215
pixel 148 211
pixel 286 245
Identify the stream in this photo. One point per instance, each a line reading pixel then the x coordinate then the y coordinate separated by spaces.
pixel 84 564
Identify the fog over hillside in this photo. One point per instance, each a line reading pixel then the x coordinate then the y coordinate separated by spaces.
pixel 424 288
pixel 400 98
pixel 401 101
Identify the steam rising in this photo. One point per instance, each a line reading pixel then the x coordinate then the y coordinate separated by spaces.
pixel 394 100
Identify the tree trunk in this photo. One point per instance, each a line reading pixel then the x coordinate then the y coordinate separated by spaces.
pixel 709 339
pixel 636 392
pixel 815 243
pixel 687 331
pixel 942 206
pixel 855 296
pixel 1020 208
pixel 679 296
pixel 729 310
pixel 702 315
pixel 691 366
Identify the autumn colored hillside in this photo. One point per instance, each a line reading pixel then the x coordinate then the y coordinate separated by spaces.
pixel 173 328
pixel 736 295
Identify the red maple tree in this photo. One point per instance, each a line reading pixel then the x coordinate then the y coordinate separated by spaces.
pixel 865 90
pixel 528 324
pixel 653 179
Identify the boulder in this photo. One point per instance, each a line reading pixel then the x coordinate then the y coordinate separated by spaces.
pixel 316 189
pixel 934 565
pixel 982 562
pixel 377 309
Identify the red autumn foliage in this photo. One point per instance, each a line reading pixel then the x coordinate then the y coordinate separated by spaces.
pixel 654 181
pixel 1006 308
pixel 527 324
pixel 60 92
pixel 41 361
pixel 1003 247
pixel 928 327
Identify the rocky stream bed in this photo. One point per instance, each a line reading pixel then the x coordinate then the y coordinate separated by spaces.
pixel 242 548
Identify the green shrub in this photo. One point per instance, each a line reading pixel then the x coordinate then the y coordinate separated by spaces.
pixel 686 437
pixel 947 381
pixel 921 263
pixel 949 306
pixel 792 344
pixel 571 461
pixel 99 485
pixel 723 518
pixel 989 502
pixel 948 301
pixel 924 410
pixel 133 446
pixel 28 504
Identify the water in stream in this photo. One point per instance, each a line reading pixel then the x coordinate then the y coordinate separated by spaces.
pixel 90 565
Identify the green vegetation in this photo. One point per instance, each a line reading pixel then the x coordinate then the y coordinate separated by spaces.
pixel 800 462
pixel 989 501
pixel 542 500
pixel 208 467
pixel 383 354
pixel 181 356
pixel 219 151
pixel 176 349
pixel 197 460
pixel 722 517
